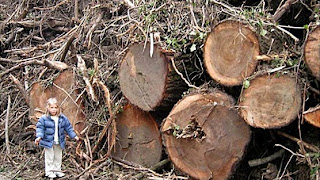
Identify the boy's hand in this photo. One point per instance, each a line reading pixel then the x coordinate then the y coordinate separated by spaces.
pixel 37 141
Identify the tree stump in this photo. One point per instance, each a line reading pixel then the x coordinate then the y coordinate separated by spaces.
pixel 63 89
pixel 271 101
pixel 149 82
pixel 312 52
pixel 313 116
pixel 230 52
pixel 138 138
pixel 204 135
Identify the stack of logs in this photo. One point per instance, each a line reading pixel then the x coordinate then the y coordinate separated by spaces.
pixel 204 135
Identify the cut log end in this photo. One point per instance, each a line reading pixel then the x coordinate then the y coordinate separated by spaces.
pixel 313 116
pixel 271 101
pixel 142 77
pixel 204 136
pixel 312 52
pixel 138 137
pixel 230 52
pixel 63 90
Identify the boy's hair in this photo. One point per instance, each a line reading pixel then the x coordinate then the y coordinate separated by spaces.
pixel 52 101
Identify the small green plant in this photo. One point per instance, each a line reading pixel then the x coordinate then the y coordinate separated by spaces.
pixel 246 84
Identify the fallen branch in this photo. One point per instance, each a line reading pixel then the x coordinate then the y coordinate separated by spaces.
pixel 307 145
pixel 66 47
pixel 281 10
pixel 153 168
pixel 89 34
pixel 7 126
pixel 181 75
pixel 83 69
pixel 260 161
pixel 15 121
pixel 51 64
pixel 21 88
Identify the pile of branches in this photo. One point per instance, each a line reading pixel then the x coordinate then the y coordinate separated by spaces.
pixel 40 38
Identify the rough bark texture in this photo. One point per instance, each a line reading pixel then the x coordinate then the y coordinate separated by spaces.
pixel 271 101
pixel 204 136
pixel 63 89
pixel 230 52
pixel 313 116
pixel 149 82
pixel 138 138
pixel 312 52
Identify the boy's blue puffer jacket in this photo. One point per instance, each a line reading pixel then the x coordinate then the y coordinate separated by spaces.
pixel 46 128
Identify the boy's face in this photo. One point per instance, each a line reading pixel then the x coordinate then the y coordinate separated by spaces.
pixel 53 109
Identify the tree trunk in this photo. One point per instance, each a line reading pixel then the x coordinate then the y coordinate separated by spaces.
pixel 230 52
pixel 312 52
pixel 64 90
pixel 313 116
pixel 149 82
pixel 204 135
pixel 138 138
pixel 271 101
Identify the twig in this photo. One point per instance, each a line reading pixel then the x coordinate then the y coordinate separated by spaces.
pixel 21 88
pixel 129 3
pixel 66 47
pixel 314 90
pixel 76 10
pixel 153 168
pixel 257 162
pixel 131 165
pixel 21 167
pixel 7 126
pixel 181 75
pixel 83 69
pixel 51 64
pixel 293 153
pixel 281 10
pixel 15 121
pixel 89 34
pixel 66 94
pixel 307 145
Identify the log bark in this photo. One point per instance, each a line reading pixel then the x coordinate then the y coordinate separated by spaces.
pixel 64 90
pixel 312 116
pixel 271 101
pixel 149 82
pixel 138 137
pixel 312 52
pixel 230 52
pixel 204 135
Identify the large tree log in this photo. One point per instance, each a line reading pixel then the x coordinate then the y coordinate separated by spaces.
pixel 230 52
pixel 204 135
pixel 271 101
pixel 138 137
pixel 149 82
pixel 312 116
pixel 312 52
pixel 64 90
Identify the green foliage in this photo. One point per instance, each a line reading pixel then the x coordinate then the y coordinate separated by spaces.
pixel 313 172
pixel 277 62
pixel 2 169
pixel 292 62
pixel 246 84
pixel 91 72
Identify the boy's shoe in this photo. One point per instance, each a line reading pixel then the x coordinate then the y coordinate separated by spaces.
pixel 59 174
pixel 51 175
